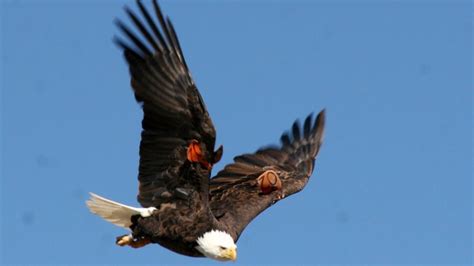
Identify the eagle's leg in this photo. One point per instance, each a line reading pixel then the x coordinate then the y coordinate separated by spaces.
pixel 128 240
pixel 124 240
pixel 269 181
pixel 195 154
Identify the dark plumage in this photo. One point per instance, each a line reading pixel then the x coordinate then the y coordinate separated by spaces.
pixel 177 151
pixel 234 197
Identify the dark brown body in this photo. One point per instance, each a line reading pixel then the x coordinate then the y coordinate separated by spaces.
pixel 177 227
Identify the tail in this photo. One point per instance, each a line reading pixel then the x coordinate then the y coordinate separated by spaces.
pixel 114 212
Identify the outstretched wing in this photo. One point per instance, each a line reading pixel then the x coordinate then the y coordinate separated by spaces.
pixel 175 116
pixel 241 190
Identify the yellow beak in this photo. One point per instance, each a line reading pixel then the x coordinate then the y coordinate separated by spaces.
pixel 230 254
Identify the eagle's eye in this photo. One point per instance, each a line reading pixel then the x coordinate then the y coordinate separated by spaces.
pixel 222 248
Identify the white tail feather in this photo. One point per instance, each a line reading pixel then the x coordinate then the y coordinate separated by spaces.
pixel 114 212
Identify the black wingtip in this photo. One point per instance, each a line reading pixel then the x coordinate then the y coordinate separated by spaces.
pixel 118 22
pixel 296 130
pixel 321 118
pixel 285 139
pixel 117 41
pixel 308 125
pixel 133 38
pixel 151 24
pixel 319 125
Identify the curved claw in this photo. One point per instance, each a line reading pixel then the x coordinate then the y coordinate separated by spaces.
pixel 269 181
pixel 128 240
pixel 194 154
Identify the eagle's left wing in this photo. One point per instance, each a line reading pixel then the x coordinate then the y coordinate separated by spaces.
pixel 178 137
pixel 254 182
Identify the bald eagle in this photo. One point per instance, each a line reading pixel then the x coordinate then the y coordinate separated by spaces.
pixel 183 209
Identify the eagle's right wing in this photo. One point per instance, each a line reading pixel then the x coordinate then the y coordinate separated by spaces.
pixel 175 122
pixel 254 182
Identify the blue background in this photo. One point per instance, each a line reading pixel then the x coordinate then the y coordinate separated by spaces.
pixel 393 182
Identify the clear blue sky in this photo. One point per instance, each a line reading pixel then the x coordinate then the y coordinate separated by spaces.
pixel 393 182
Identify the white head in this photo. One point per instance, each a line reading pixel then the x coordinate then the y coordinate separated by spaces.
pixel 217 245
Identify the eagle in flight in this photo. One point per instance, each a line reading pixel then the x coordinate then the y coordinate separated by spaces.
pixel 183 209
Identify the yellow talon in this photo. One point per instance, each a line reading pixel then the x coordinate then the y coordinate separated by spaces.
pixel 127 240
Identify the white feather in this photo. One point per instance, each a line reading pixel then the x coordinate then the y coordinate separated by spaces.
pixel 114 212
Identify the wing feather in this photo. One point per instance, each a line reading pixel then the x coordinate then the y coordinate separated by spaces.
pixel 236 197
pixel 174 112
